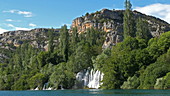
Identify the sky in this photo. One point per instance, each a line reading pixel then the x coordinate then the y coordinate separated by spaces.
pixel 30 14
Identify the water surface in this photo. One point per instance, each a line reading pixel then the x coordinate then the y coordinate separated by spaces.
pixel 90 92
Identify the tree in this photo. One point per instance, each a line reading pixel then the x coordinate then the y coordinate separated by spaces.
pixel 128 5
pixel 154 71
pixel 75 36
pixel 128 21
pixel 82 57
pixel 37 81
pixel 74 39
pixel 42 59
pixel 61 77
pixel 64 42
pixel 131 83
pixel 142 30
pixel 91 36
pixel 51 39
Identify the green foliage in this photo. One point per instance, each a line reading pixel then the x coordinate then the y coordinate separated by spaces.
pixel 167 81
pixel 111 79
pixel 37 80
pixel 131 83
pixel 159 83
pixel 64 42
pixel 128 44
pixel 163 82
pixel 51 40
pixel 154 71
pixel 62 77
pixel 159 46
pixel 142 31
pixel 87 47
pixel 94 36
pixel 42 58
pixel 126 59
pixel 87 14
pixel 82 57
pixel 129 24
pixel 21 83
pixel 100 59
pixel 75 36
pixel 128 5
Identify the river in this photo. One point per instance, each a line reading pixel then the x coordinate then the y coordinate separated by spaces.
pixel 88 92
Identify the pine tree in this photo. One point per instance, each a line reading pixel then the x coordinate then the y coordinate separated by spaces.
pixel 75 36
pixel 128 5
pixel 92 35
pixel 128 21
pixel 64 42
pixel 142 30
pixel 51 40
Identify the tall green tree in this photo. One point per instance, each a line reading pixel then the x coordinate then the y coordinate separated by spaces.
pixel 142 30
pixel 92 36
pixel 128 21
pixel 128 5
pixel 75 36
pixel 64 42
pixel 51 40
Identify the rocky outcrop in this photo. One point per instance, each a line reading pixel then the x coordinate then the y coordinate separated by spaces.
pixel 111 21
pixel 38 38
pixel 18 37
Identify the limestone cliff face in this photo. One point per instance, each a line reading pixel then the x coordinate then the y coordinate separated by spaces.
pixel 38 38
pixel 104 19
pixel 111 21
pixel 18 37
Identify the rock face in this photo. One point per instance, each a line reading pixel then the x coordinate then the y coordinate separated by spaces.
pixel 111 21
pixel 38 38
pixel 18 37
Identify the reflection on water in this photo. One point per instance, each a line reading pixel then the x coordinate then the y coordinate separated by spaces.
pixel 86 92
pixel 121 92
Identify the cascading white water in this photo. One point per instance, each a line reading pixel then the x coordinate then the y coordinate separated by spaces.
pixel 46 87
pixel 89 78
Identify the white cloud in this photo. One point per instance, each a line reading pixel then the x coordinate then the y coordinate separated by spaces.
pixel 10 25
pixel 32 25
pixel 25 13
pixel 67 24
pixel 3 30
pixel 17 28
pixel 10 11
pixel 11 20
pixel 20 28
pixel 159 10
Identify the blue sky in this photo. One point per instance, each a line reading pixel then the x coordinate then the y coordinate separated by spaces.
pixel 29 14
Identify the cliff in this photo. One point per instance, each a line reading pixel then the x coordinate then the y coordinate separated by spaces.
pixel 111 21
pixel 10 40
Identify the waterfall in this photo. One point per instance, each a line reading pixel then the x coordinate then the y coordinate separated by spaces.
pixel 36 88
pixel 46 87
pixel 89 78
